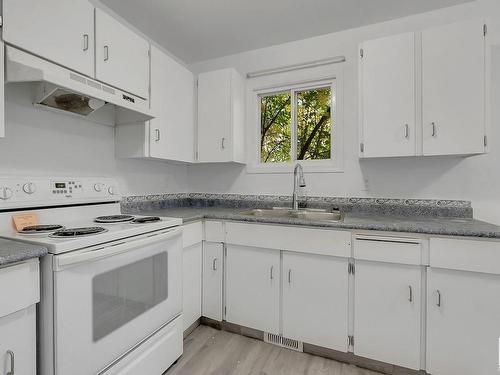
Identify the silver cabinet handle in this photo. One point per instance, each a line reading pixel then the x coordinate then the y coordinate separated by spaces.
pixel 407 131
pixel 271 275
pixel 10 353
pixel 223 143
pixel 289 276
pixel 434 133
pixel 410 293
pixel 85 42
pixel 214 264
pixel 157 132
pixel 106 53
pixel 438 303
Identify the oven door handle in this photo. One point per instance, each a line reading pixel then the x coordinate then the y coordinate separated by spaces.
pixel 75 258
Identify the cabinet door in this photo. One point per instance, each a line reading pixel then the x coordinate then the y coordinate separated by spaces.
pixel 191 284
pixel 122 56
pixel 213 254
pixel 463 328
pixel 253 287
pixel 60 31
pixel 172 89
pixel 387 313
pixel 387 75
pixel 453 89
pixel 18 335
pixel 214 116
pixel 315 297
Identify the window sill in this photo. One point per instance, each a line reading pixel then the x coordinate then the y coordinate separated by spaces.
pixel 287 168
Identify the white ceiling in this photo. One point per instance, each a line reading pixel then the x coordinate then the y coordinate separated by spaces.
pixel 196 30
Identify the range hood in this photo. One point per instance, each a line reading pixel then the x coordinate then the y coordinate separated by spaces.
pixel 62 90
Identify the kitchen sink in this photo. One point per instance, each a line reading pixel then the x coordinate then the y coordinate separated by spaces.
pixel 307 214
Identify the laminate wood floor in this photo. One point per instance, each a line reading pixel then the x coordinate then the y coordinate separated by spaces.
pixel 208 351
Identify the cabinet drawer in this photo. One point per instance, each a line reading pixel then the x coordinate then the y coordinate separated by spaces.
pixel 389 249
pixel 214 231
pixel 19 287
pixel 192 234
pixel 466 255
pixel 305 240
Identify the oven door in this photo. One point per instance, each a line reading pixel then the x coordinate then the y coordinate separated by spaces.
pixel 109 298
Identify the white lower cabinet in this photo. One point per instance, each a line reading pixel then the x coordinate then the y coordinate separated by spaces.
pixel 253 287
pixel 213 272
pixel 463 324
pixel 387 312
pixel 18 342
pixel 20 291
pixel 191 284
pixel 315 298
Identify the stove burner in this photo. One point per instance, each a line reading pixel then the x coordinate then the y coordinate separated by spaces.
pixel 77 232
pixel 113 219
pixel 40 229
pixel 146 219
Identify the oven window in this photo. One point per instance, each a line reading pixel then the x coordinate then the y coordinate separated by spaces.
pixel 124 293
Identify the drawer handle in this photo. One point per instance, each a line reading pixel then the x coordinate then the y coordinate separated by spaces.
pixel 407 131
pixel 223 143
pixel 214 264
pixel 271 274
pixel 410 293
pixel 289 276
pixel 438 302
pixel 157 132
pixel 10 353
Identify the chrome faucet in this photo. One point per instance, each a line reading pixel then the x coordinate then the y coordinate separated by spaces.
pixel 298 179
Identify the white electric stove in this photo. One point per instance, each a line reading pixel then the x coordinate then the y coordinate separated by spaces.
pixel 111 300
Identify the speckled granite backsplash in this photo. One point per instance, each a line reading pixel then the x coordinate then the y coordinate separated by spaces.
pixel 382 206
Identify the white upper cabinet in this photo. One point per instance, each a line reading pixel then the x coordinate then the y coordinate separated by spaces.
pixel 220 116
pixel 453 89
pixel 387 94
pixel 172 88
pixel 315 298
pixel 170 135
pixel 424 93
pixel 122 56
pixel 60 31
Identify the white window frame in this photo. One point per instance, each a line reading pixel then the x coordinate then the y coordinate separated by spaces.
pixel 297 81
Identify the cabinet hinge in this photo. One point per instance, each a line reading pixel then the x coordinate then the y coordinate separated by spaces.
pixel 225 311
pixel 362 147
pixel 350 341
pixel 1 21
pixel 485 29
pixel 485 140
pixel 351 268
pixel 361 53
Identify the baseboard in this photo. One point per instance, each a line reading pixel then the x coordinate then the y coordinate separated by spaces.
pixel 350 358
pixel 191 328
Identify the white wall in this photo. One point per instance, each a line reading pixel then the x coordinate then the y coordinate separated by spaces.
pixel 475 178
pixel 43 143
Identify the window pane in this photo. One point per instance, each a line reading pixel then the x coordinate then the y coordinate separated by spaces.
pixel 314 124
pixel 275 128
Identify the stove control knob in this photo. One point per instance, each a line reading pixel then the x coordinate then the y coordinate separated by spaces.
pixel 5 193
pixel 112 190
pixel 29 188
pixel 98 187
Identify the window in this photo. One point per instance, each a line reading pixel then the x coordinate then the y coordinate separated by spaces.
pixel 296 124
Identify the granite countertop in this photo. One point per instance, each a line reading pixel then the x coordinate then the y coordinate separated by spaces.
pixel 361 221
pixel 15 251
